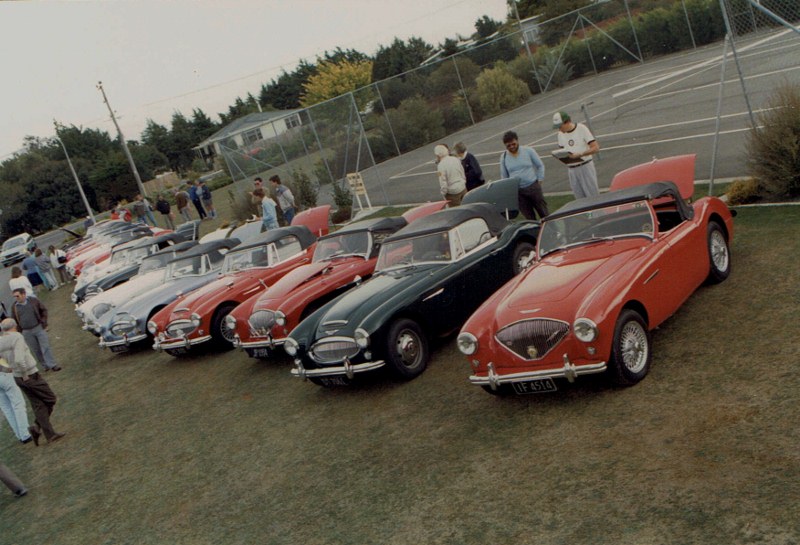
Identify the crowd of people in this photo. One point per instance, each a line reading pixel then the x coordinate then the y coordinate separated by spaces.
pixel 462 172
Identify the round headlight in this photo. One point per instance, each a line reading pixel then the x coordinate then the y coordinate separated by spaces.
pixel 467 343
pixel 230 322
pixel 195 318
pixel 280 318
pixel 291 346
pixel 361 337
pixel 73 298
pixel 585 330
pixel 152 327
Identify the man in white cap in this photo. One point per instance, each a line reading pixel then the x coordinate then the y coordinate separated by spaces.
pixel 452 180
pixel 577 139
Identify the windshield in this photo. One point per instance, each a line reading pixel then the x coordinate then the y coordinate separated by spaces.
pixel 136 255
pixel 13 243
pixel 621 220
pixel 433 248
pixel 119 257
pixel 189 266
pixel 156 262
pixel 346 244
pixel 246 259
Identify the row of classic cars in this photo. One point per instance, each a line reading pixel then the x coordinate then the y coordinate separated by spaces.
pixel 578 293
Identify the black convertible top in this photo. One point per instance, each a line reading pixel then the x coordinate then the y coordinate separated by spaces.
pixel 212 248
pixel 160 239
pixel 448 218
pixel 631 194
pixel 303 234
pixel 377 224
pixel 180 247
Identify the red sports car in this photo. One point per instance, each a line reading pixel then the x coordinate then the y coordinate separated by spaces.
pixel 607 271
pixel 341 260
pixel 199 316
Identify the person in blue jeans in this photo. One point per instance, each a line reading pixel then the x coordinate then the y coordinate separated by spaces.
pixel 523 162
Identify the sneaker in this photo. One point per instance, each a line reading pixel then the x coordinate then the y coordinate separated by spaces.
pixel 55 368
pixel 21 492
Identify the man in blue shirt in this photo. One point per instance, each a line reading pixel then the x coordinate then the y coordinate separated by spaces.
pixel 194 196
pixel 524 163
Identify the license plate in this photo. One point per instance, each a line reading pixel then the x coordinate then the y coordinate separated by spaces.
pixel 258 352
pixel 177 351
pixel 119 348
pixel 536 386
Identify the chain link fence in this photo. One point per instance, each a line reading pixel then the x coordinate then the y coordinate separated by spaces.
pixel 358 131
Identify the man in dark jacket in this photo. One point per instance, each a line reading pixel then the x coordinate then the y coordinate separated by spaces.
pixel 31 317
pixel 162 205
pixel 472 169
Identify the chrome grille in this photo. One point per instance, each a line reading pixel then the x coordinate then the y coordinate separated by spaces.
pixel 333 350
pixel 261 322
pixel 532 339
pixel 180 328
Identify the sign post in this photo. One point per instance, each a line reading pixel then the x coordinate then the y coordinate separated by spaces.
pixel 357 187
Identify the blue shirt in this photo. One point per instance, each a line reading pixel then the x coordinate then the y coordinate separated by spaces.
pixel 193 193
pixel 526 166
pixel 269 213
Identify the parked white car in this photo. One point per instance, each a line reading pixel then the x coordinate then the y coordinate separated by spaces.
pixel 15 249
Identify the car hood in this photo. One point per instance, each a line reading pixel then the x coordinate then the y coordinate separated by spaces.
pixel 318 271
pixel 163 294
pixel 347 312
pixel 571 275
pixel 125 292
pixel 235 283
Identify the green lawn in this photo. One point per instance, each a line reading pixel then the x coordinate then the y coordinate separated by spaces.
pixel 221 449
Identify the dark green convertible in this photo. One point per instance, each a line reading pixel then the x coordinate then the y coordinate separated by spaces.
pixel 430 276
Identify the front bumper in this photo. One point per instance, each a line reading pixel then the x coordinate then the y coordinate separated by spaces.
pixel 269 342
pixel 181 342
pixel 569 371
pixel 126 340
pixel 345 369
pixel 11 259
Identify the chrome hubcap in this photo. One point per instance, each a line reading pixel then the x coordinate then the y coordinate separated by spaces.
pixel 634 347
pixel 226 332
pixel 408 348
pixel 719 251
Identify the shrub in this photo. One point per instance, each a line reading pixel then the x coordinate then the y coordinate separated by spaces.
pixel 456 116
pixel 304 190
pixel 553 71
pixel 744 192
pixel 415 124
pixel 242 207
pixel 342 197
pixel 773 150
pixel 522 69
pixel 499 91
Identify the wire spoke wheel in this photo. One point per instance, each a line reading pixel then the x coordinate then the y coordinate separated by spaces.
pixel 635 347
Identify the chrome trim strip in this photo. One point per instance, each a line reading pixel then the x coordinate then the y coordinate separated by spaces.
pixel 182 342
pixel 434 294
pixel 270 343
pixel 127 340
pixel 564 372
pixel 348 369
pixel 649 278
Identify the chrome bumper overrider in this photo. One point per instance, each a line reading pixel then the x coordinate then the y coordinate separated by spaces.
pixel 348 369
pixel 181 342
pixel 125 340
pixel 266 343
pixel 570 371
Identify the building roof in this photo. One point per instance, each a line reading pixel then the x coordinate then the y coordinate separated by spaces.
pixel 250 121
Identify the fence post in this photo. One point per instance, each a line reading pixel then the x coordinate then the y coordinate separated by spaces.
pixel 719 113
pixel 688 24
pixel 372 157
pixel 736 59
pixel 463 91
pixel 633 29
pixel 321 150
pixel 588 47
pixel 386 115
pixel 588 118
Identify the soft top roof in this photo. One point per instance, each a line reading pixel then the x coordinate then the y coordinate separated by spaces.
pixel 450 217
pixel 376 224
pixel 208 248
pixel 176 248
pixel 302 233
pixel 621 196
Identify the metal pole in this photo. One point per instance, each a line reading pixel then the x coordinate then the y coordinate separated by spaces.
pixel 124 143
pixel 388 123
pixel 319 144
pixel 372 157
pixel 278 141
pixel 688 24
pixel 719 113
pixel 774 16
pixel 633 29
pixel 738 66
pixel 527 47
pixel 464 91
pixel 75 175
pixel 588 47
pixel 588 118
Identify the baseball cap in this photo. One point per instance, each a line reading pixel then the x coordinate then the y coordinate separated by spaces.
pixel 559 118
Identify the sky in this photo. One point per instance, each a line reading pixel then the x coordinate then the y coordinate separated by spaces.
pixel 158 57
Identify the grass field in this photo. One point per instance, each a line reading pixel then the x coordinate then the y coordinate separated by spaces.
pixel 221 449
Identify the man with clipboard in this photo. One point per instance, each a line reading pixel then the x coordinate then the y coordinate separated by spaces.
pixel 577 145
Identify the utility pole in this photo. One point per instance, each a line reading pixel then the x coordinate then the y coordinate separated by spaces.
pixel 124 143
pixel 74 174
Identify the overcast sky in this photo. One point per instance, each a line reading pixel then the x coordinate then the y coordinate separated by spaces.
pixel 158 56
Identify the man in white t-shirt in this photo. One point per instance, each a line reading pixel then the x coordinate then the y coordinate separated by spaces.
pixel 577 139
